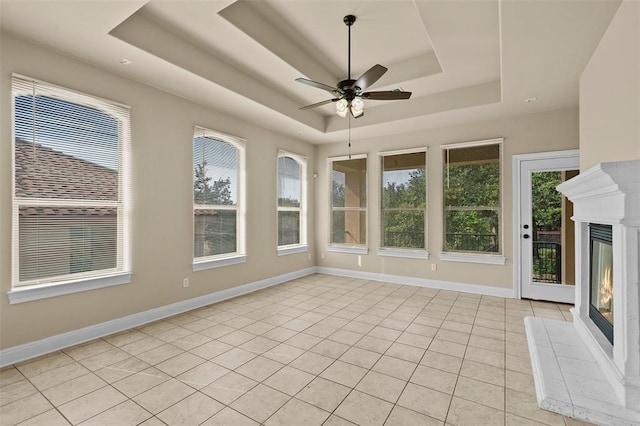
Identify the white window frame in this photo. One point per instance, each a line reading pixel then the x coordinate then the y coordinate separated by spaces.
pixel 239 256
pixel 491 259
pixel 302 246
pixel 411 253
pixel 76 282
pixel 347 248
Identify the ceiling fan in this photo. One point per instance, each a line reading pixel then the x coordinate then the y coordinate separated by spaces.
pixel 348 94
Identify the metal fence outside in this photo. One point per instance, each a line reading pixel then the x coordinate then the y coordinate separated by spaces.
pixel 547 262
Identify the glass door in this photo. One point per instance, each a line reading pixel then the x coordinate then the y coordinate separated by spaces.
pixel 547 243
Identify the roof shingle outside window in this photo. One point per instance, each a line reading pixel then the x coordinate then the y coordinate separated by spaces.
pixel 43 172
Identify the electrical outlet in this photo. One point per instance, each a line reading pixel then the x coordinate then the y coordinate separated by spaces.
pixel 434 267
pixel 309 256
pixel 322 255
pixel 185 282
pixel 360 261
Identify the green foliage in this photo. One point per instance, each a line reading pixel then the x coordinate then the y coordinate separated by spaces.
pixel 472 203
pixel 405 228
pixel 546 201
pixel 473 185
pixel 220 227
pixel 410 194
pixel 337 194
pixel 205 192
pixel 545 263
pixel 472 230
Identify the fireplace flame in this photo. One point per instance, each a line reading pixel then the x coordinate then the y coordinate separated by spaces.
pixel 606 287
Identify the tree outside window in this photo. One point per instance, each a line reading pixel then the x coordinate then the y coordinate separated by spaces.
pixel 216 165
pixel 472 199
pixel 404 191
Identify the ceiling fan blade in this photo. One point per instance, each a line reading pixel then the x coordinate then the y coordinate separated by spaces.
pixel 328 101
pixel 386 95
pixel 317 85
pixel 369 77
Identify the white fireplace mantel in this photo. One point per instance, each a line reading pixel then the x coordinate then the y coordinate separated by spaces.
pixel 609 194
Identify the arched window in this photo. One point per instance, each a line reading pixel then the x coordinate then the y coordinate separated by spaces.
pixel 70 188
pixel 218 188
pixel 292 209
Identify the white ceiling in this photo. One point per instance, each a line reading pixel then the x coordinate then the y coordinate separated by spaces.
pixel 464 60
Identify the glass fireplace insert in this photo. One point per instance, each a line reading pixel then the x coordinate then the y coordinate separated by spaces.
pixel 601 278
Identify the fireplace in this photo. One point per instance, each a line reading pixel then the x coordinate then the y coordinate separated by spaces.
pixel 601 278
pixel 590 369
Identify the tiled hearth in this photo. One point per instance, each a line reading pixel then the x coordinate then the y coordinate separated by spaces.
pixel 318 350
pixel 568 379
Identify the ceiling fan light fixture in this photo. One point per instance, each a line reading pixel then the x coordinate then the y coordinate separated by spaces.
pixel 357 107
pixel 348 94
pixel 342 108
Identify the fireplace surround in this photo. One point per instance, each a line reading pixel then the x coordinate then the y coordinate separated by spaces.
pixel 591 369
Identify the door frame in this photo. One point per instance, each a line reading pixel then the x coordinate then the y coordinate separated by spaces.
pixel 517 161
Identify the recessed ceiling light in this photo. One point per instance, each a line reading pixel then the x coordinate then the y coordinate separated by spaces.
pixel 529 100
pixel 125 61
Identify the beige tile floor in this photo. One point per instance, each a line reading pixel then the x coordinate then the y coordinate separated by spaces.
pixel 320 350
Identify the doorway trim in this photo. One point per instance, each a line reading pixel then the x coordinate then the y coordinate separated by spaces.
pixel 516 170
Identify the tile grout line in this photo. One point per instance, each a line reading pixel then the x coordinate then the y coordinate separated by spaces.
pixel 368 370
pixel 460 369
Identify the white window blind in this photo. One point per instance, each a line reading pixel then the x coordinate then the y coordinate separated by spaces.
pixel 218 188
pixel 70 185
pixel 291 199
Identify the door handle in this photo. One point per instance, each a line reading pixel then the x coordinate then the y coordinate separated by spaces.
pixel 525 236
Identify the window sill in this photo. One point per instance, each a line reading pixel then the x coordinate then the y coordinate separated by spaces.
pixel 348 249
pixel 292 249
pixel 405 253
pixel 218 263
pixel 45 291
pixel 489 259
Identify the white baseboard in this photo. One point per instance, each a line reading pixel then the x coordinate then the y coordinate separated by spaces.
pixel 419 282
pixel 47 345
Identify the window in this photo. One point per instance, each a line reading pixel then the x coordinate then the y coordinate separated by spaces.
pixel 70 188
pixel 472 197
pixel 292 191
pixel 349 204
pixel 403 201
pixel 218 188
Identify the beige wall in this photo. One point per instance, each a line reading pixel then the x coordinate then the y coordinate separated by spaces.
pixel 162 130
pixel 551 131
pixel 610 93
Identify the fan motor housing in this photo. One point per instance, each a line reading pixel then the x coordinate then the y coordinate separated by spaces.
pixel 345 86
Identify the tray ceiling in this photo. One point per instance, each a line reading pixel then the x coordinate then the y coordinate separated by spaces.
pixel 463 60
